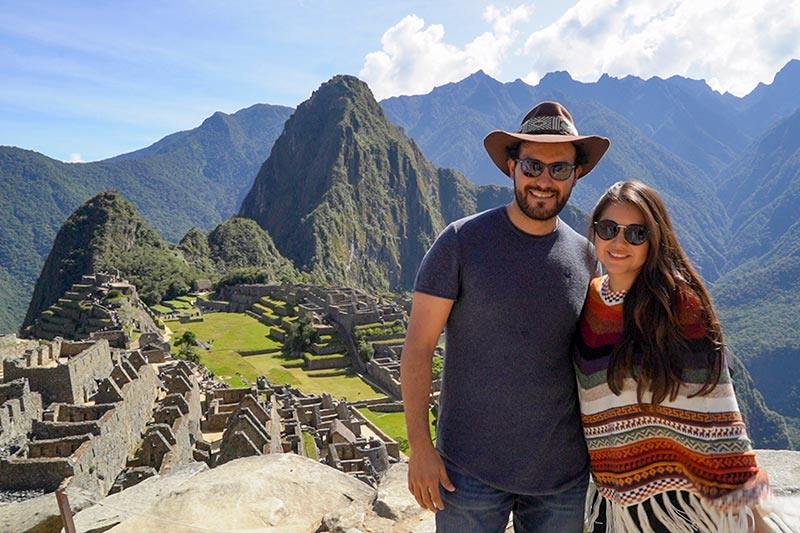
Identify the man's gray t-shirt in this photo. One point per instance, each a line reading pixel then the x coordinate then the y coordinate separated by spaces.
pixel 508 410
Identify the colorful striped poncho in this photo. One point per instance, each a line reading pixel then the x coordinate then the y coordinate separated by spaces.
pixel 696 446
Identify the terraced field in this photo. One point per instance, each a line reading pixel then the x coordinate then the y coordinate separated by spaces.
pixel 233 334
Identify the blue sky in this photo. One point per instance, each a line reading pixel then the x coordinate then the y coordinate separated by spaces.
pixel 87 80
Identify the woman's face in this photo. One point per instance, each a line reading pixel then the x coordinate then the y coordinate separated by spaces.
pixel 622 260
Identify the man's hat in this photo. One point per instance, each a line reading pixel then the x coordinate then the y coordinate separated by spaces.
pixel 548 122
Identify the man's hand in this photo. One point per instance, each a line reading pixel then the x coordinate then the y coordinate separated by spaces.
pixel 425 472
pixel 425 468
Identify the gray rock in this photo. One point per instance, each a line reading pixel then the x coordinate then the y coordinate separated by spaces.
pixel 394 501
pixel 783 468
pixel 265 494
pixel 345 520
pixel 134 500
pixel 40 514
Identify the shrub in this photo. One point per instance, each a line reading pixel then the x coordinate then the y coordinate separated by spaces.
pixel 299 337
pixel 365 350
pixel 437 367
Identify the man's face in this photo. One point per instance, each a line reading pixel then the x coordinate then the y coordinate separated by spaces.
pixel 542 197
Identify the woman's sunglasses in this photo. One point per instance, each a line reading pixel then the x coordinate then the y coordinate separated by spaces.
pixel 607 229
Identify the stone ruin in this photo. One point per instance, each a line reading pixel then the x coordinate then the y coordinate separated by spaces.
pixel 102 411
pixel 271 418
pixel 100 306
pixel 337 312
pixel 82 407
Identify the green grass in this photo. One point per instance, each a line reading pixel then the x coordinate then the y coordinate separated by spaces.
pixel 266 312
pixel 234 332
pixel 394 425
pixel 177 304
pixel 315 357
pixel 310 446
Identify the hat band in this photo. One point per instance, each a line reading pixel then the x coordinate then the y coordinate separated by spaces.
pixel 547 126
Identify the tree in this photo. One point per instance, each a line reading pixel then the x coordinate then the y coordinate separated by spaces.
pixel 188 353
pixel 189 338
pixel 365 350
pixel 300 337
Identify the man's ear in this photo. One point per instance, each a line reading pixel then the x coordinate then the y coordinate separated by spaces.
pixel 578 174
pixel 511 166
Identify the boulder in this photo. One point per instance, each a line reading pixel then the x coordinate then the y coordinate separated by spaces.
pixel 394 501
pixel 134 500
pixel 266 493
pixel 40 514
pixel 783 468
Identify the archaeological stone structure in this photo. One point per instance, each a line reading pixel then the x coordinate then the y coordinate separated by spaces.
pixel 95 402
pixel 94 399
pixel 99 306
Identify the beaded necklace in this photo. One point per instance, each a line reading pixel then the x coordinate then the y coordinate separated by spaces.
pixel 611 297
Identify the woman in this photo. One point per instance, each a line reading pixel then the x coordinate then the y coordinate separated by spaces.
pixel 668 447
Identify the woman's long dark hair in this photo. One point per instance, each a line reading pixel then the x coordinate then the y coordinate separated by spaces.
pixel 653 342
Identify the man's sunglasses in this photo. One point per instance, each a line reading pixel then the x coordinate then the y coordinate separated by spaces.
pixel 607 229
pixel 533 168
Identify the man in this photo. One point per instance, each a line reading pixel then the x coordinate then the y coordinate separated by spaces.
pixel 509 284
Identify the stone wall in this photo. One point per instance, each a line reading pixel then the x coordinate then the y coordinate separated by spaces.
pixel 52 382
pixel 88 443
pixel 86 368
pixel 68 379
pixel 12 348
pixel 387 373
pixel 19 408
pixel 170 437
pixel 25 474
pixel 121 430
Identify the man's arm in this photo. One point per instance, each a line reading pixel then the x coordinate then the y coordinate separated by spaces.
pixel 425 468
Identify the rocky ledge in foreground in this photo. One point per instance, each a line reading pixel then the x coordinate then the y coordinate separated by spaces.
pixel 289 493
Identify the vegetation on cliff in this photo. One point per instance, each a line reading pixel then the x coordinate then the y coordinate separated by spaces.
pixel 106 234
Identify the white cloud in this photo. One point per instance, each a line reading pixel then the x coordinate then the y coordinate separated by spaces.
pixel 75 158
pixel 415 59
pixel 733 44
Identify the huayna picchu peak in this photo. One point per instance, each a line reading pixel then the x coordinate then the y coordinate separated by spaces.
pixel 348 196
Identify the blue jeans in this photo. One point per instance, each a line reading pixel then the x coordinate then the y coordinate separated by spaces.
pixel 475 507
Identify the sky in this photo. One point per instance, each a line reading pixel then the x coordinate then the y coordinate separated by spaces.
pixel 88 80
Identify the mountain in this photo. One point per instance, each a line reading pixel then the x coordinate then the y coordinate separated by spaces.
pixel 760 295
pixel 348 197
pixel 237 243
pixel 760 191
pixel 448 120
pixel 769 103
pixel 190 178
pixel 684 116
pixel 449 123
pixel 221 156
pixel 105 234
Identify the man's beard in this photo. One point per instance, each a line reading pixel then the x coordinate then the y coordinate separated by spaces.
pixel 535 209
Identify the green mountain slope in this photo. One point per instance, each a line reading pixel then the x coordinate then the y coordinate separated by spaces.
pixel 240 243
pixel 191 178
pixel 761 191
pixel 348 197
pixel 760 295
pixel 106 234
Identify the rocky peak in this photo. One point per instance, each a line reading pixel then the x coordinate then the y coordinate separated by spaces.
pixel 345 193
